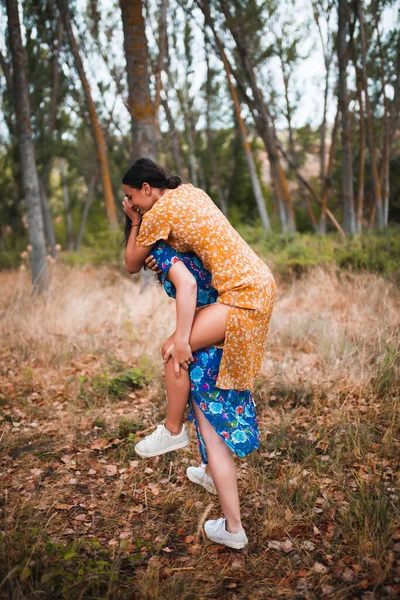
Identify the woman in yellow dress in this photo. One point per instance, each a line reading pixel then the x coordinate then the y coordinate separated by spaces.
pixel 161 208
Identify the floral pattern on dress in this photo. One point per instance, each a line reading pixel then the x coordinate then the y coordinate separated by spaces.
pixel 189 220
pixel 232 413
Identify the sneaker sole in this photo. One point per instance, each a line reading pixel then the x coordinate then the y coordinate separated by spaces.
pixel 234 545
pixel 169 449
pixel 193 479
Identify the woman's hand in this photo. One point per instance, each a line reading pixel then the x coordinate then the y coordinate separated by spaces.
pixel 181 353
pixel 132 213
pixel 152 264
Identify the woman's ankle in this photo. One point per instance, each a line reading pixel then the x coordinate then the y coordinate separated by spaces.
pixel 233 526
pixel 172 428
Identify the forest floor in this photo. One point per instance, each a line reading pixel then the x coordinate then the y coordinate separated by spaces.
pixel 84 517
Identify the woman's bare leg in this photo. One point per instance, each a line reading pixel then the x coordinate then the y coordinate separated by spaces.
pixel 209 327
pixel 223 471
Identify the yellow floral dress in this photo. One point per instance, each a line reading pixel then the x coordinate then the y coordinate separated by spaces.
pixel 191 222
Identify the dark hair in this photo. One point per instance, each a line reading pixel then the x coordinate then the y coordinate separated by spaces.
pixel 143 171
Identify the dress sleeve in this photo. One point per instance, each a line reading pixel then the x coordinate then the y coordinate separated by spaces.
pixel 154 226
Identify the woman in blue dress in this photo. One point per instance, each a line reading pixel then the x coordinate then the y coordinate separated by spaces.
pixel 231 413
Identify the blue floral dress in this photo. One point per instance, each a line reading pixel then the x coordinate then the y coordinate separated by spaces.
pixel 232 413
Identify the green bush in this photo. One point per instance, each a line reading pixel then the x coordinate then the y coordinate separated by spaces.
pixel 133 378
pixel 376 252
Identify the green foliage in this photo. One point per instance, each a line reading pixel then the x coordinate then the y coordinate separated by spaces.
pixel 388 368
pixel 376 252
pixel 133 378
pixel 128 428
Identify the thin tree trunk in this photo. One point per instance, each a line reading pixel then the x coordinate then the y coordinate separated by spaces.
pixel 162 55
pixel 347 159
pixel 265 129
pixel 385 170
pixel 249 157
pixel 173 136
pixel 40 272
pixel 47 219
pixel 141 107
pixel 370 126
pixel 44 178
pixel 98 135
pixel 361 159
pixel 210 149
pixel 322 221
pixel 308 187
pixel 70 234
pixel 85 213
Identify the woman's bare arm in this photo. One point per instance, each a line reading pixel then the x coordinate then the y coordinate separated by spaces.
pixel 135 255
pixel 186 299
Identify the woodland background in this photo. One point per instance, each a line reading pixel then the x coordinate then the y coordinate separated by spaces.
pixel 219 93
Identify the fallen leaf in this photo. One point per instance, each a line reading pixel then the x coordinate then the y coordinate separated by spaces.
pixel 36 471
pixel 92 472
pixel 238 563
pixel 111 470
pixel 195 549
pixel 81 517
pixel 189 539
pixel 320 568
pixel 60 506
pixel 100 444
pixel 66 458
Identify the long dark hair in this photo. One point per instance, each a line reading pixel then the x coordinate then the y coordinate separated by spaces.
pixel 146 170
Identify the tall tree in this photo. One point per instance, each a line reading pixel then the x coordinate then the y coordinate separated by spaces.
pixel 244 48
pixel 323 10
pixel 141 107
pixel 40 273
pixel 370 124
pixel 347 155
pixel 242 127
pixel 98 135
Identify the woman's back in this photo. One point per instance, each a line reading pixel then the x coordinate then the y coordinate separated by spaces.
pixel 191 222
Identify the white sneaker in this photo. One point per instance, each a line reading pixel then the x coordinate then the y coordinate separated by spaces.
pixel 216 532
pixel 199 475
pixel 162 441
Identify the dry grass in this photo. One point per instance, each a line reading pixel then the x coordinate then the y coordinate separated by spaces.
pixel 82 519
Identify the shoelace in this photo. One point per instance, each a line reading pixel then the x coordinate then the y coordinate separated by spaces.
pixel 156 435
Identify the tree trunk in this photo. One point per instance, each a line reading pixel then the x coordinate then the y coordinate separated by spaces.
pixel 322 221
pixel 40 272
pixel 385 165
pixel 249 157
pixel 210 149
pixel 361 159
pixel 347 164
pixel 70 233
pixel 370 125
pixel 85 213
pixel 173 136
pixel 162 56
pixel 47 219
pixel 44 178
pixel 264 126
pixel 141 106
pixel 98 135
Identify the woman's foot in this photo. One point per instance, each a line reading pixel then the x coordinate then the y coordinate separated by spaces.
pixel 216 531
pixel 162 441
pixel 199 475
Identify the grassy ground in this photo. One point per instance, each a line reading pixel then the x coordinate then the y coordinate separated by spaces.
pixel 81 381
